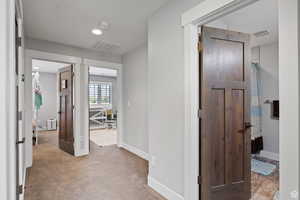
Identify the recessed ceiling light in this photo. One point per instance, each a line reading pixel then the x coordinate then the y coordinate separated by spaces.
pixel 97 31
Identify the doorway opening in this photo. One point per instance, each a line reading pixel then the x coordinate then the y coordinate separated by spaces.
pixel 244 48
pixel 47 105
pixel 103 101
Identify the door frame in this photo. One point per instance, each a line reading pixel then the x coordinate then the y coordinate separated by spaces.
pixel 107 65
pixel 208 11
pixel 41 55
pixel 11 11
pixel 7 100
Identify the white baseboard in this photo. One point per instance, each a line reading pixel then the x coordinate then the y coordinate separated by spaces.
pixel 163 190
pixel 135 151
pixel 270 155
pixel 81 153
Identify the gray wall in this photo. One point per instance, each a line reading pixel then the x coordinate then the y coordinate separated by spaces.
pixel 135 98
pixel 166 94
pixel 113 80
pixel 48 82
pixel 269 90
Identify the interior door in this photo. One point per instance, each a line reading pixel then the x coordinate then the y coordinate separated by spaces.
pixel 225 121
pixel 66 133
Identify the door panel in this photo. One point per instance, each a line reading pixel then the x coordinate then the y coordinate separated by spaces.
pixel 237 97
pixel 225 143
pixel 226 59
pixel 218 135
pixel 66 134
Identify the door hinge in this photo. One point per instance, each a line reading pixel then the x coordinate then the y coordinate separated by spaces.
pixel 73 74
pixel 199 113
pixel 199 180
pixel 20 115
pixel 20 189
pixel 17 80
pixel 200 48
pixel 19 41
pixel 23 78
pixel 22 141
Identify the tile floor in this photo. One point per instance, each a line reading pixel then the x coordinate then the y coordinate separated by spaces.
pixel 265 187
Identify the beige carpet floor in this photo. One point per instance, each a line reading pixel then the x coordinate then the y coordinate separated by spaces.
pixel 108 173
pixel 103 137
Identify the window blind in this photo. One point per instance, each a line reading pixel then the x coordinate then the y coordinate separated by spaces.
pixel 100 93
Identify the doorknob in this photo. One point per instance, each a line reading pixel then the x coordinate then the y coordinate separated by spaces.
pixel 248 125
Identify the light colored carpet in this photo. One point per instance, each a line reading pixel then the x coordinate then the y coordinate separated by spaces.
pixel 109 164
pixel 108 173
pixel 104 137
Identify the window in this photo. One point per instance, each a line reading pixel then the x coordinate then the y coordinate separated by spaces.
pixel 100 93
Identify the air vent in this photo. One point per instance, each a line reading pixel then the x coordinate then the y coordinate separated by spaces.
pixel 261 33
pixel 104 46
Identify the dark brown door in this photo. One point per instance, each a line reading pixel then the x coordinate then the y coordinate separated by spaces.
pixel 66 136
pixel 225 103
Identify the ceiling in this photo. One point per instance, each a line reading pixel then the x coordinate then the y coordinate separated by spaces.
pixel 260 16
pixel 47 66
pixel 70 22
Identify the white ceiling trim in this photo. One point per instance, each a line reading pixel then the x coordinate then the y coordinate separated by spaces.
pixel 210 10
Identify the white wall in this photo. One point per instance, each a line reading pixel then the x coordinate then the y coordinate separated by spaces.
pixel 135 99
pixel 48 83
pixel 269 62
pixel 166 94
pixel 289 11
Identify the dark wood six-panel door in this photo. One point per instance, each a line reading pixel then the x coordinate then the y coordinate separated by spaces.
pixel 225 121
pixel 66 135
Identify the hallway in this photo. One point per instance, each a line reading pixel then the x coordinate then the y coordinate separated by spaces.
pixel 108 173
